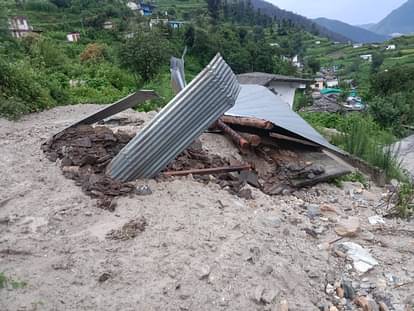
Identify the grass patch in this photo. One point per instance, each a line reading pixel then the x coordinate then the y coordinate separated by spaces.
pixel 7 282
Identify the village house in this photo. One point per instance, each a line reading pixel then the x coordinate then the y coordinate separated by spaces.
pixel 283 86
pixel 132 6
pixel 296 62
pixel 317 42
pixel 332 83
pixel 108 25
pixel 73 36
pixel 19 26
pixel 175 24
pixel 157 21
pixel 391 47
pixel 274 44
pixel 367 57
pixel 357 45
pixel 318 84
pixel 146 9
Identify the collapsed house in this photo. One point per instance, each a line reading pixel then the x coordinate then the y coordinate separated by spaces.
pixel 278 151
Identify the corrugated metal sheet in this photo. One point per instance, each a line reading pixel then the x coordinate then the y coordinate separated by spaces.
pixel 259 102
pixel 262 78
pixel 175 127
pixel 177 74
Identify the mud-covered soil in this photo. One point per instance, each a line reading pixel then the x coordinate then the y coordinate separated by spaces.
pixel 185 245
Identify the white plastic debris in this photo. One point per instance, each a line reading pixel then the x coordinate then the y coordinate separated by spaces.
pixel 362 259
pixel 376 220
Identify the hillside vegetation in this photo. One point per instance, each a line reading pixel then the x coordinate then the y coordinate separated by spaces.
pixel 44 69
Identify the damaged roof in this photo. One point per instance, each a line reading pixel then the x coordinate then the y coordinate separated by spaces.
pixel 174 128
pixel 261 78
pixel 257 101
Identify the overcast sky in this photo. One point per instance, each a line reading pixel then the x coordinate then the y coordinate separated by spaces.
pixel 350 11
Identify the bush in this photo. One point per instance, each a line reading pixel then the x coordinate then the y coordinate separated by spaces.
pixel 93 52
pixel 42 6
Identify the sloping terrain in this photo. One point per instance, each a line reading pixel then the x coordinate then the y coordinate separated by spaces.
pixel 354 33
pixel 185 245
pixel 399 21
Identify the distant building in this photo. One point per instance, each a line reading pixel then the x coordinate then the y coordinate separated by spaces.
pixel 318 84
pixel 282 86
pixel 296 62
pixel 146 9
pixel 73 36
pixel 133 6
pixel 108 25
pixel 367 57
pixel 129 35
pixel 357 45
pixel 175 24
pixel 331 83
pixel 19 26
pixel 391 47
pixel 317 42
pixel 274 44
pixel 157 21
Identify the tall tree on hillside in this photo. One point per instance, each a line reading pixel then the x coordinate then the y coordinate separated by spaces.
pixel 145 54
pixel 214 8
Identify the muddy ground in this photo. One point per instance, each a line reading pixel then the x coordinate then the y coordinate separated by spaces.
pixel 185 245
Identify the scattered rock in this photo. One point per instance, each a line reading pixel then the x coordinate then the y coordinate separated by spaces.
pixel 104 277
pixel 313 211
pixel 270 221
pixel 383 306
pixel 340 292
pixel 329 289
pixel 269 296
pixel 376 220
pixel 348 290
pixel 366 303
pixel 362 259
pixel 348 227
pixel 129 230
pixel 143 190
pixel 245 194
pixel 283 306
pixel 203 272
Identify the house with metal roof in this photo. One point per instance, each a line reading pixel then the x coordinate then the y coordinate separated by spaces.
pixel 283 86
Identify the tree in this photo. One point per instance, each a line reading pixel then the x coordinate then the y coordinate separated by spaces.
pixel 145 54
pixel 314 64
pixel 377 60
pixel 62 3
pixel 214 8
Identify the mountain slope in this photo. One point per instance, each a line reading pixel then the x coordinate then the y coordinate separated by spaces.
pixel 400 20
pixel 354 33
pixel 307 24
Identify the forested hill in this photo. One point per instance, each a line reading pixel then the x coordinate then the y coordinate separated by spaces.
pixel 45 69
pixel 307 24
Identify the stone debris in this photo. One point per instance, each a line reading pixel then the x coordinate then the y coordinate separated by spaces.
pixel 362 259
pixel 129 230
pixel 376 220
pixel 348 227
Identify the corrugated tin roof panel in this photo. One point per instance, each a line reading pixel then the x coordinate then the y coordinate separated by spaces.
pixel 262 78
pixel 259 102
pixel 175 127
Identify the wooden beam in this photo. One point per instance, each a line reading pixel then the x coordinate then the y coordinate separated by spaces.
pixel 247 121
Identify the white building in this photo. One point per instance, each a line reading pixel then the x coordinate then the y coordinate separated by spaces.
pixel 317 42
pixel 296 62
pixel 318 84
pixel 367 57
pixel 332 83
pixel 157 21
pixel 73 36
pixel 108 25
pixel 282 86
pixel 19 26
pixel 133 6
pixel 391 47
pixel 357 45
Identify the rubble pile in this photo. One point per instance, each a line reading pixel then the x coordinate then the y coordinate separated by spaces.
pixel 83 153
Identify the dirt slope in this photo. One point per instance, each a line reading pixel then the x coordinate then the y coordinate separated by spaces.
pixel 201 248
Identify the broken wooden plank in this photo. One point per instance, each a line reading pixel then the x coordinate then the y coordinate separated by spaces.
pixel 254 140
pixel 210 171
pixel 248 121
pixel 235 137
